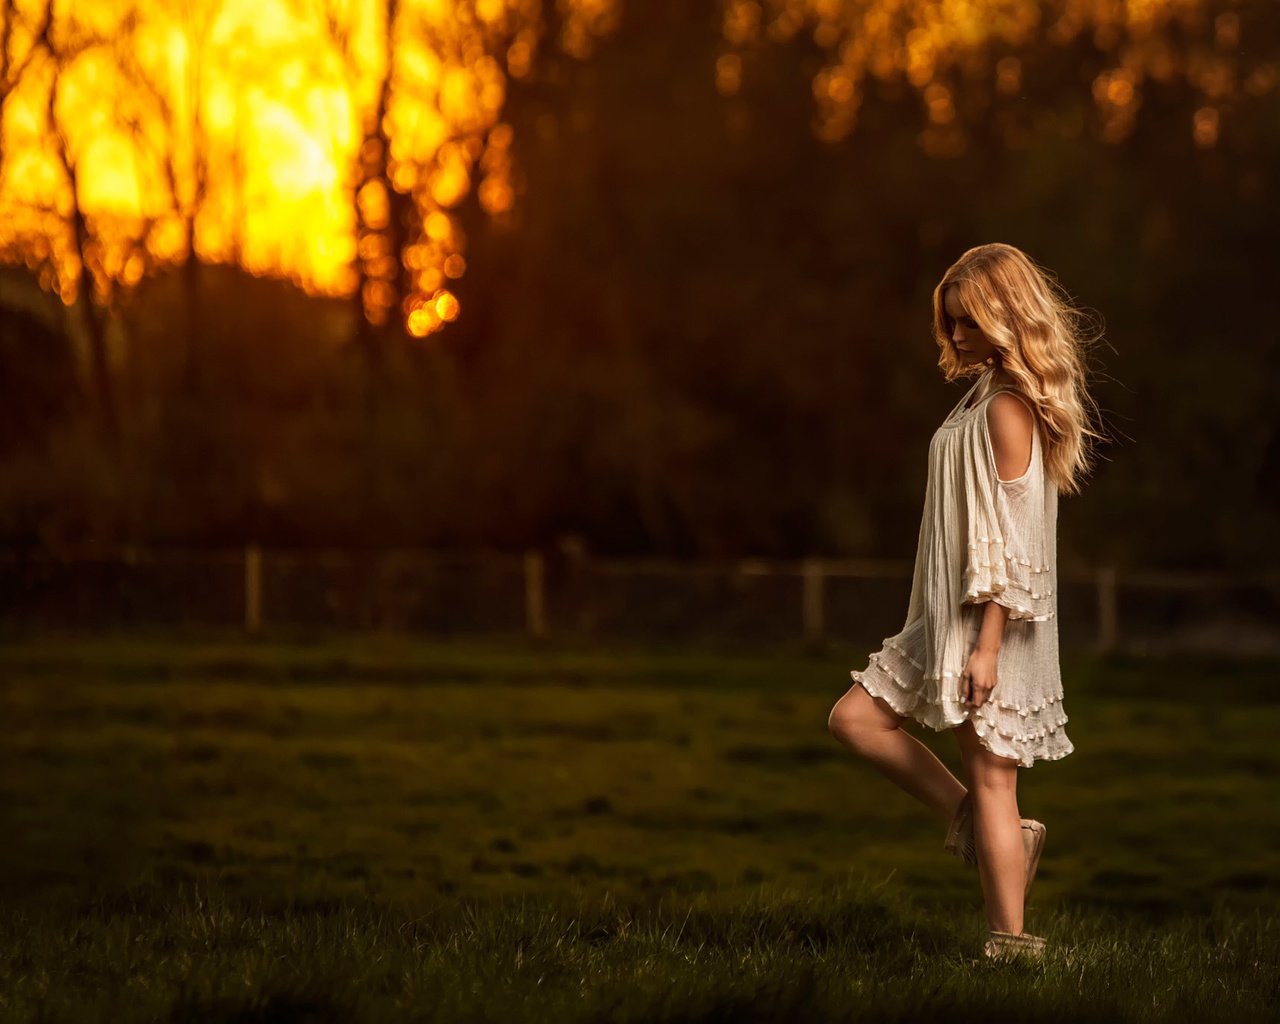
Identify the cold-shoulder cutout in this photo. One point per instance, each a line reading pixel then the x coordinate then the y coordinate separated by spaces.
pixel 1010 538
pixel 1011 428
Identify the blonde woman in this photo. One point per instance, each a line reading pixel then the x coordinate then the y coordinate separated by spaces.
pixel 978 653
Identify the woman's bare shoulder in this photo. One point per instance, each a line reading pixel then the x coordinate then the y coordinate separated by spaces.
pixel 1011 424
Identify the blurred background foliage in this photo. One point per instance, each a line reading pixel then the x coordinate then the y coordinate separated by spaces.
pixel 654 274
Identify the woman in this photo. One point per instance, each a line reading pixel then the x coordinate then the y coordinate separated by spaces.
pixel 979 650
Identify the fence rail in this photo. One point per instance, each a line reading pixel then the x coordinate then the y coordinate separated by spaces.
pixel 254 589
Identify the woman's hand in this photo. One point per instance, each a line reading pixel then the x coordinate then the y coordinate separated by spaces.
pixel 978 677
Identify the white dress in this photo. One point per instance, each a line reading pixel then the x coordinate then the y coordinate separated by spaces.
pixel 981 539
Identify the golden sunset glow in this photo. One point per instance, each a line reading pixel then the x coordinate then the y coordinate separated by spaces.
pixel 246 119
pixel 249 127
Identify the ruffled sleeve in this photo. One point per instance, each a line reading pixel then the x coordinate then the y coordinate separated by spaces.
pixel 1010 530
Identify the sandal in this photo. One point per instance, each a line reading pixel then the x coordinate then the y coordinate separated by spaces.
pixel 1006 946
pixel 1033 843
pixel 960 835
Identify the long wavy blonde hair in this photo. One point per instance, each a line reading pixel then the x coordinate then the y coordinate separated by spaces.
pixel 1041 339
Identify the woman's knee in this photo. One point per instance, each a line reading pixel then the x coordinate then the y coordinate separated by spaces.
pixel 857 716
pixel 842 721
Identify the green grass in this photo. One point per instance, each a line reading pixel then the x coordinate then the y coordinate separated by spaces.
pixel 377 829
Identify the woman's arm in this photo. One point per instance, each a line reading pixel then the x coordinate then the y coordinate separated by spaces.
pixel 991 635
pixel 979 678
pixel 1010 424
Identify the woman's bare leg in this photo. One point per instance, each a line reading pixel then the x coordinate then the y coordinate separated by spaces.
pixel 869 727
pixel 997 830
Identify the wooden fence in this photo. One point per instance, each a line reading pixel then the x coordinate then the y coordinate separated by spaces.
pixel 254 589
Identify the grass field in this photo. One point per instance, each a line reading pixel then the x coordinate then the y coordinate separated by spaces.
pixel 383 829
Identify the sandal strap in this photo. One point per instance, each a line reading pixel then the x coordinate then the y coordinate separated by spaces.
pixel 1023 939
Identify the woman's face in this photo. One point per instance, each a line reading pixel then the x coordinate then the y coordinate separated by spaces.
pixel 970 343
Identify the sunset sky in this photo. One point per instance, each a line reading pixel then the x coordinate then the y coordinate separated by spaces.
pixel 257 99
pixel 262 103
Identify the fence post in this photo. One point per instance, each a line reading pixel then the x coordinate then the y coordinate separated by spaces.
pixel 252 589
pixel 814 625
pixel 535 609
pixel 1107 625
